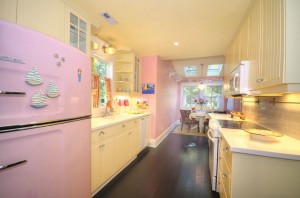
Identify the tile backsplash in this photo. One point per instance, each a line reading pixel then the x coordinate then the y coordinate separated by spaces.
pixel 282 116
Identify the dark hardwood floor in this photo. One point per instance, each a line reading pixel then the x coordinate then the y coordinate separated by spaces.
pixel 173 169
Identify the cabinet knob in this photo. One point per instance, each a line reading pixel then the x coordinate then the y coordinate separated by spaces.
pixel 224 175
pixel 260 80
pixel 101 132
pixel 226 149
pixel 123 125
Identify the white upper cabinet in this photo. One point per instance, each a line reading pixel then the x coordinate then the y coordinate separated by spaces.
pixel 78 31
pixel 269 39
pixel 8 10
pixel 59 19
pixel 42 15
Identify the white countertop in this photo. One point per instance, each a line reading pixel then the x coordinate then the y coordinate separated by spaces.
pixel 219 116
pixel 102 122
pixel 240 142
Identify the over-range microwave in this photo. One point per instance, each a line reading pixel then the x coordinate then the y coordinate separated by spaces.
pixel 238 80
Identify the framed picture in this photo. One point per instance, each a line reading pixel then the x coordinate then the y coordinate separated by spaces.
pixel 148 88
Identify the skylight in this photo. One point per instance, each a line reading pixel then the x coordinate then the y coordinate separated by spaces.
pixel 190 71
pixel 214 70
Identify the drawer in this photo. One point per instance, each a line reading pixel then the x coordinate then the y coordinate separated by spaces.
pixel 131 124
pixel 101 134
pixel 225 151
pixel 225 178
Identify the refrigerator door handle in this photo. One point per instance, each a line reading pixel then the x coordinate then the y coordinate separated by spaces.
pixel 3 167
pixel 12 93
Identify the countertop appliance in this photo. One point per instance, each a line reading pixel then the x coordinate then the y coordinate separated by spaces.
pixel 45 116
pixel 213 140
pixel 238 80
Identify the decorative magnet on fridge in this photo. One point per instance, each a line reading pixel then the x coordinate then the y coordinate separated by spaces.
pixel 79 71
pixel 52 90
pixel 148 88
pixel 33 77
pixel 39 100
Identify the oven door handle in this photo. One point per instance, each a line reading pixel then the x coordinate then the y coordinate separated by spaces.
pixel 209 135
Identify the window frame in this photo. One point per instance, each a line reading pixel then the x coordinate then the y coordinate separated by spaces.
pixel 109 65
pixel 192 84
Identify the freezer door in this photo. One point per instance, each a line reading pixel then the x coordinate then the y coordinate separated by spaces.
pixel 41 79
pixel 56 162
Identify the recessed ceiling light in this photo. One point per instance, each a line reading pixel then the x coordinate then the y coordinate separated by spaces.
pixel 176 43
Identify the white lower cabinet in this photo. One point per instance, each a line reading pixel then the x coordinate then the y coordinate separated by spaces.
pixel 248 176
pixel 112 148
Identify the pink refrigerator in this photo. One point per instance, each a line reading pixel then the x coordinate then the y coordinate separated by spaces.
pixel 45 107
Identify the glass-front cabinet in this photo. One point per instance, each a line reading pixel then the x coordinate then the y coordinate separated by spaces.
pixel 78 34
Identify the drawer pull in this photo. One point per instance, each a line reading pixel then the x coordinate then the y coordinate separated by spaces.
pixel 224 175
pixel 130 133
pixel 260 80
pixel 101 132
pixel 123 125
pixel 101 146
pixel 226 149
pixel 12 165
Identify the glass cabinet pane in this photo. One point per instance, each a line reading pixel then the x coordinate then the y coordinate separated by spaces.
pixel 82 41
pixel 73 36
pixel 74 20
pixel 82 25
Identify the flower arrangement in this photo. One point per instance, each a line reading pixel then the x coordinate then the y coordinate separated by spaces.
pixel 200 101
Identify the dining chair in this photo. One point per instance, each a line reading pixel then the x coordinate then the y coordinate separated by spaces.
pixel 185 119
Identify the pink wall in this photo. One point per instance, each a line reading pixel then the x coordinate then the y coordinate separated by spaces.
pixel 163 103
pixel 167 98
pixel 149 73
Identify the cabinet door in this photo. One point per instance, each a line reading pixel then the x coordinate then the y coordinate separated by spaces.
pixel 244 41
pixel 134 142
pixel 122 149
pixel 95 166
pixel 272 40
pixel 254 46
pixel 108 158
pixel 77 30
pixel 8 10
pixel 43 15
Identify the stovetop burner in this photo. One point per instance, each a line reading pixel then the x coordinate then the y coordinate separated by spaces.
pixel 231 124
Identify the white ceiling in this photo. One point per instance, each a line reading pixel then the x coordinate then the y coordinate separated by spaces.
pixel 203 28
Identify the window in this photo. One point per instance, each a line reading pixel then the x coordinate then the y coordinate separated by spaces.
pixel 190 71
pixel 214 70
pixel 100 70
pixel 212 95
pixel 98 83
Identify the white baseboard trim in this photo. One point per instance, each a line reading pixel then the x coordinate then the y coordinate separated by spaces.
pixel 155 142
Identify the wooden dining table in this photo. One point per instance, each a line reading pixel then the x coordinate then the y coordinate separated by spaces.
pixel 200 116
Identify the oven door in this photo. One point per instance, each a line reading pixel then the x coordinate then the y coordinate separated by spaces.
pixel 213 158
